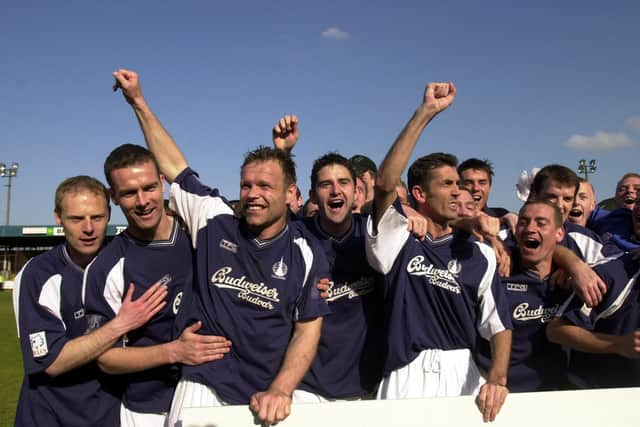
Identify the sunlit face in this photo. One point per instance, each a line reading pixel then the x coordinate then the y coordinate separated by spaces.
pixel 83 216
pixel 467 206
pixel 263 196
pixel 627 192
pixel 584 203
pixel 537 234
pixel 139 191
pixel 478 182
pixel 559 195
pixel 441 195
pixel 334 193
pixel 359 197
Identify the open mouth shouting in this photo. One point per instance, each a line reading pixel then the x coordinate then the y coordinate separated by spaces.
pixel 575 213
pixel 629 201
pixel 335 205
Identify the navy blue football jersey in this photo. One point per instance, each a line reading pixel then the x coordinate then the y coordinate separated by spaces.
pixel 128 260
pixel 249 290
pixel 617 314
pixel 49 313
pixel 536 364
pixel 349 357
pixel 440 293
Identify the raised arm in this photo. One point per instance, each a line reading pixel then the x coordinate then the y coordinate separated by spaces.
pixel 437 97
pixel 160 143
pixel 274 404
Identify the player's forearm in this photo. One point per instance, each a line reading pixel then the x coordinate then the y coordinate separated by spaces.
pixel 396 160
pixel 82 350
pixel 300 353
pixel 500 354
pixel 561 332
pixel 160 143
pixel 126 360
pixel 565 259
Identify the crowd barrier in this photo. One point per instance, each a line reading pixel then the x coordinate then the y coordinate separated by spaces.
pixel 585 408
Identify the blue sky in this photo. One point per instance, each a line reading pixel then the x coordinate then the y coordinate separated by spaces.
pixel 542 83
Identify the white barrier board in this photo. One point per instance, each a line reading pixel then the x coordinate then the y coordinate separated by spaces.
pixel 585 408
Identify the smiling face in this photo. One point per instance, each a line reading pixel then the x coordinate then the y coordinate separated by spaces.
pixel 627 192
pixel 478 182
pixel 84 216
pixel 584 203
pixel 537 233
pixel 334 193
pixel 263 196
pixel 139 191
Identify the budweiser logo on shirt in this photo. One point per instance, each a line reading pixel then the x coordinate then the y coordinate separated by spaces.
pixel 440 277
pixel 252 292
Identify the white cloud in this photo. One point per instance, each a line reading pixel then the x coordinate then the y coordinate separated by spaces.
pixel 335 33
pixel 633 123
pixel 601 141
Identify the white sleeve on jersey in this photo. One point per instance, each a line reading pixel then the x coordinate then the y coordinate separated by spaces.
pixel 619 300
pixel 591 249
pixel 16 295
pixel 383 248
pixel 196 209
pixel 489 322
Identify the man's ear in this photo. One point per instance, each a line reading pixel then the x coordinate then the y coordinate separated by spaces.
pixel 57 217
pixel 559 234
pixel 313 196
pixel 418 194
pixel 112 195
pixel 291 194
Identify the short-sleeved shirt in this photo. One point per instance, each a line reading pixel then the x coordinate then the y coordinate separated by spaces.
pixel 349 357
pixel 586 244
pixel 439 293
pixel 617 314
pixel 128 260
pixel 536 364
pixel 49 314
pixel 249 290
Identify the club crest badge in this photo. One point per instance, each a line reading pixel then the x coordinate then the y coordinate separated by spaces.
pixel 280 269
pixel 38 342
pixel 454 267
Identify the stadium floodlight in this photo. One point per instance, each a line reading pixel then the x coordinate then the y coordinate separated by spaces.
pixel 587 168
pixel 9 172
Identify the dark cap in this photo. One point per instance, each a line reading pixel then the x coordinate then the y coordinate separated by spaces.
pixel 361 164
